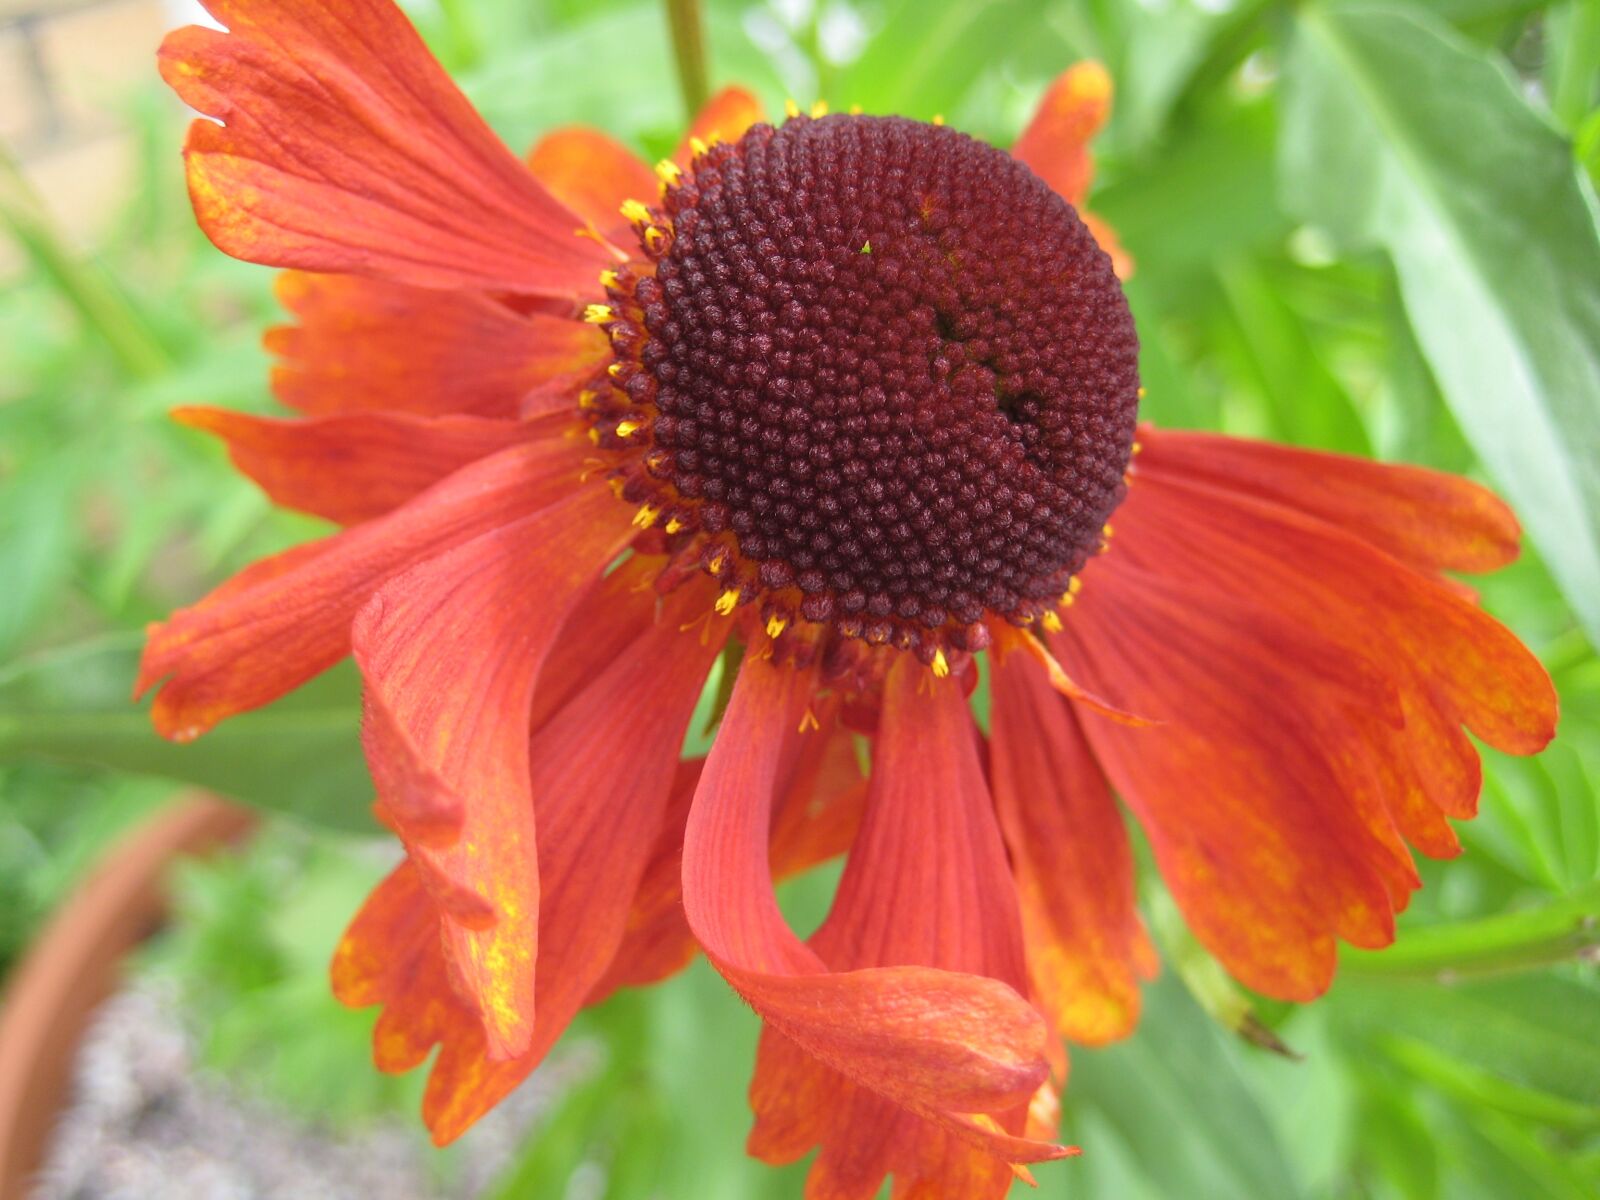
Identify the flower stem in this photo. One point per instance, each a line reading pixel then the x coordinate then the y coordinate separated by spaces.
pixel 1566 930
pixel 81 281
pixel 684 19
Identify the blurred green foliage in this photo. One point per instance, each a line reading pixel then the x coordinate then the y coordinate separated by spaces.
pixel 1367 227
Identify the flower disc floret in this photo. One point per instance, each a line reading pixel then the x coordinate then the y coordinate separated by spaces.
pixel 882 369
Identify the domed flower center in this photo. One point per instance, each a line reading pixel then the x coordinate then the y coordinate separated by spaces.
pixel 881 374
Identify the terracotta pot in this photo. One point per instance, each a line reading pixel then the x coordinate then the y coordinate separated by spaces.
pixel 75 962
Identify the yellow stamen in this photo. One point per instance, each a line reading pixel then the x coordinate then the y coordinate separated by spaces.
pixel 776 625
pixel 1108 531
pixel 938 118
pixel 668 172
pixel 1074 586
pixel 587 397
pixel 727 602
pixel 717 562
pixel 629 427
pixel 855 110
pixel 808 720
pixel 615 370
pixel 635 212
pixel 790 108
pixel 608 278
pixel 646 516
pixel 655 239
pixel 819 109
pixel 1141 393
pixel 1138 446
pixel 697 147
pixel 674 525
pixel 941 665
pixel 599 314
pixel 1051 622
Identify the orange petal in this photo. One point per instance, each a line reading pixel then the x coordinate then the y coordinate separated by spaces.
pixel 816 820
pixel 355 467
pixel 916 1034
pixel 449 652
pixel 364 344
pixel 926 883
pixel 1055 145
pixel 596 811
pixel 345 147
pixel 286 619
pixel 724 118
pixel 1428 519
pixel 1070 855
pixel 592 174
pixel 1314 712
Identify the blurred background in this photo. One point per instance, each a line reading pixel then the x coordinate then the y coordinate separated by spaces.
pixel 1362 227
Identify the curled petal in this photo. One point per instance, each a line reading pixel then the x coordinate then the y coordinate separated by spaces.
pixel 926 883
pixel 356 467
pixel 365 344
pixel 1069 852
pixel 345 147
pixel 450 652
pixel 919 1035
pixel 285 619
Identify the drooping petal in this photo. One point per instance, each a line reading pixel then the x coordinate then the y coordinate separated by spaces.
pixel 596 811
pixel 355 467
pixel 450 652
pixel 1428 519
pixel 724 118
pixel 921 1036
pixel 1069 852
pixel 346 148
pixel 927 883
pixel 285 619
pixel 363 344
pixel 592 174
pixel 1311 689
pixel 1055 145
pixel 814 821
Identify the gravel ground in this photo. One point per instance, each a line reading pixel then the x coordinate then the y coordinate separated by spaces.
pixel 146 1125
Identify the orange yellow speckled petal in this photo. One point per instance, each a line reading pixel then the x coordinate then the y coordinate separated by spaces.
pixel 596 811
pixel 450 652
pixel 1069 851
pixel 345 147
pixel 1313 719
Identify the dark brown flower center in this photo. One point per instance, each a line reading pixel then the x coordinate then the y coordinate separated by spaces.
pixel 884 369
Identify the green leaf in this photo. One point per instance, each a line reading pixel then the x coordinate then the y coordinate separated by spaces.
pixel 1398 133
pixel 927 56
pixel 1178 1099
pixel 1540 1032
pixel 301 756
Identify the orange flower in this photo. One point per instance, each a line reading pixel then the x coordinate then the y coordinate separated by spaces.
pixel 866 391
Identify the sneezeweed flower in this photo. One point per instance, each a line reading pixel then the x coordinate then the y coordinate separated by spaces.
pixel 848 401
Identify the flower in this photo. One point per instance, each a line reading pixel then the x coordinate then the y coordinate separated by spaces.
pixel 844 403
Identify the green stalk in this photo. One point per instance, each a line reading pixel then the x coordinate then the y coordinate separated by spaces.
pixel 1566 930
pixel 1578 62
pixel 82 283
pixel 685 21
